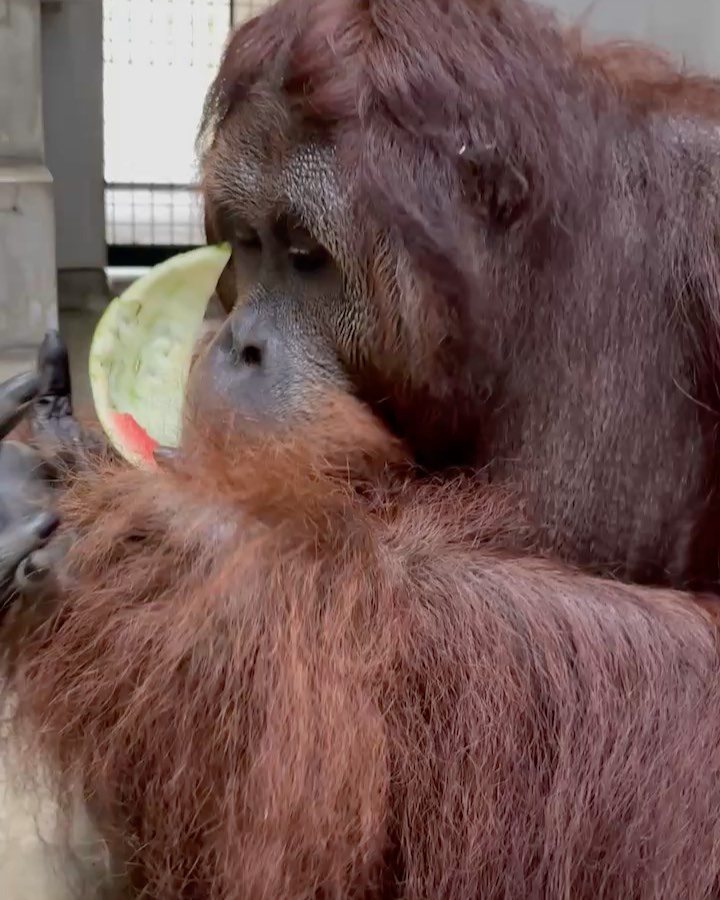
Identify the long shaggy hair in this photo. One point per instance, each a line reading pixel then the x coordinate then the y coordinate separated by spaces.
pixel 427 103
pixel 289 668
pixel 523 205
pixel 303 674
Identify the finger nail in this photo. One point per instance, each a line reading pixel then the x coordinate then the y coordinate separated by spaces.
pixel 29 572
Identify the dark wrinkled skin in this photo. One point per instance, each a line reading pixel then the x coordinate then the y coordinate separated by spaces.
pixel 27 519
pixel 286 287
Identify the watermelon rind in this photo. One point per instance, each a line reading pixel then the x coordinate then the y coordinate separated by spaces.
pixel 142 347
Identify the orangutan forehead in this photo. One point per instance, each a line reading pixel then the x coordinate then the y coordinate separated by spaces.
pixel 254 180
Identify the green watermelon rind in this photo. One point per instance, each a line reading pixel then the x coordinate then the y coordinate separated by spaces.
pixel 141 349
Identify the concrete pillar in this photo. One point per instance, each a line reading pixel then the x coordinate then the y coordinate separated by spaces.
pixel 27 254
pixel 28 292
pixel 72 75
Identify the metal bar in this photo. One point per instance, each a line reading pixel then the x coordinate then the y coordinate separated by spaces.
pixel 149 186
pixel 148 42
pixel 144 256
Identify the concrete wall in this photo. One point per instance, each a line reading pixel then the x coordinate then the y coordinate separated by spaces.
pixel 21 131
pixel 72 62
pixel 689 29
pixel 28 294
pixel 27 255
pixel 72 65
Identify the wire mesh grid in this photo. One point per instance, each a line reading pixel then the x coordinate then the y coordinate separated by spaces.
pixel 159 59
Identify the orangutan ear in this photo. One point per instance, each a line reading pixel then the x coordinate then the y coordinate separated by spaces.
pixel 494 186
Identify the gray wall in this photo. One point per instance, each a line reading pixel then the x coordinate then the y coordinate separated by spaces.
pixel 72 63
pixel 689 29
pixel 72 76
pixel 21 135
pixel 27 240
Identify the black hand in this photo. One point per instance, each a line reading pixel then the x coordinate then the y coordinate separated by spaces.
pixel 16 396
pixel 18 541
pixel 26 523
pixel 36 578
pixel 54 367
pixel 53 410
pixel 26 519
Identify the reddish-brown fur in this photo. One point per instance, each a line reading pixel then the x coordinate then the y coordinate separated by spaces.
pixel 535 221
pixel 348 71
pixel 306 675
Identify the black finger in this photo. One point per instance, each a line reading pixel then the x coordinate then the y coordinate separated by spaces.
pixel 30 573
pixel 33 573
pixel 15 395
pixel 35 584
pixel 11 421
pixel 20 388
pixel 38 577
pixel 22 539
pixel 47 557
pixel 54 366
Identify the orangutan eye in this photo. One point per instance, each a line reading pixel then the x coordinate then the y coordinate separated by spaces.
pixel 306 253
pixel 309 260
pixel 247 238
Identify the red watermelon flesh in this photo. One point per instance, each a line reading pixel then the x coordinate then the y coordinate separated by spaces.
pixel 134 436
